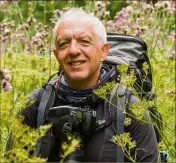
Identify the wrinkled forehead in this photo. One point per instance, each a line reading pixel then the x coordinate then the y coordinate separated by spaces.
pixel 73 28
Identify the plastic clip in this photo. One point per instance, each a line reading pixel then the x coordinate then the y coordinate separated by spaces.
pixel 67 128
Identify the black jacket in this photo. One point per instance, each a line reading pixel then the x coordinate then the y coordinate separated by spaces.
pixel 98 147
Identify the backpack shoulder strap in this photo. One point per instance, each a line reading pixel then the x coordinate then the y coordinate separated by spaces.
pixel 46 101
pixel 118 102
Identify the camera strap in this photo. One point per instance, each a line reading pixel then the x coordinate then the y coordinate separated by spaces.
pixel 67 127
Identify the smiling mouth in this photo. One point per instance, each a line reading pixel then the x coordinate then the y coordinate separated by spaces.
pixel 76 63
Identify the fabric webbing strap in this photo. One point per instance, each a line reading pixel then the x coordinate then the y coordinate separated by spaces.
pixel 118 99
pixel 41 110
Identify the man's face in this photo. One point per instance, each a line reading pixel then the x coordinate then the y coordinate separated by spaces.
pixel 79 53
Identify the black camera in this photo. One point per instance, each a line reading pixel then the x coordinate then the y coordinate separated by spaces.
pixel 75 120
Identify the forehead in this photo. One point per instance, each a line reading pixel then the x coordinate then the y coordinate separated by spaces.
pixel 75 28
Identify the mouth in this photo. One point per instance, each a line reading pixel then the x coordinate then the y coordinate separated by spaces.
pixel 76 63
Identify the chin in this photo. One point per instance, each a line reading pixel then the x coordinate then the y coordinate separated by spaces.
pixel 78 78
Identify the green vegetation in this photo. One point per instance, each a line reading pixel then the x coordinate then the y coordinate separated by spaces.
pixel 26 59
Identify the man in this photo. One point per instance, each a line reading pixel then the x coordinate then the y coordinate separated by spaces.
pixel 80 48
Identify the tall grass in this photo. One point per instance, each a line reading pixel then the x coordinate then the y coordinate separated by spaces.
pixel 26 56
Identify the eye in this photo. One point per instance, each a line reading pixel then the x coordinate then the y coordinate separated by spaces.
pixel 63 45
pixel 84 42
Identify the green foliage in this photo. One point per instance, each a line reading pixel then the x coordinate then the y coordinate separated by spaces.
pixel 43 10
pixel 26 45
pixel 124 140
pixel 69 146
pixel 104 90
pixel 24 141
pixel 27 72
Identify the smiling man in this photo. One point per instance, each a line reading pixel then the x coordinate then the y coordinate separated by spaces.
pixel 79 51
pixel 80 48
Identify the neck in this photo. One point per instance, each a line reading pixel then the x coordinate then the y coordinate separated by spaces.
pixel 82 84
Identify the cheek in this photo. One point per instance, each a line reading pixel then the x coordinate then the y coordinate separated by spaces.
pixel 60 57
pixel 98 55
pixel 95 53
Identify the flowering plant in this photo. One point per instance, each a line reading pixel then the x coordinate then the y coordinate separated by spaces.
pixel 27 62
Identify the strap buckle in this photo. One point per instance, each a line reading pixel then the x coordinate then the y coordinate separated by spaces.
pixel 101 123
pixel 164 156
pixel 67 128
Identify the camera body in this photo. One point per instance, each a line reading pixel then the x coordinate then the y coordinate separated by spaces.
pixel 76 120
pixel 68 118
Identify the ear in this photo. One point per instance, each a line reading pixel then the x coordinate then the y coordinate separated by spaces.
pixel 56 54
pixel 105 50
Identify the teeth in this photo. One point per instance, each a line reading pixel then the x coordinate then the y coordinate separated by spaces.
pixel 76 63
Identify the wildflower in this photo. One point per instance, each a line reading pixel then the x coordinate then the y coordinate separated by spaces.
pixel 28 46
pixel 145 67
pixel 138 32
pixel 148 8
pixel 46 27
pixel 37 37
pixel 135 26
pixel 6 31
pixel 172 55
pixel 58 12
pixel 163 4
pixel 66 9
pixel 110 23
pixel 159 43
pixel 123 68
pixel 4 79
pixel 139 108
pixel 1 74
pixel 124 28
pixel 124 140
pixel 140 20
pixel 170 91
pixel 173 35
pixel 26 26
pixel 127 121
pixel 144 28
pixel 44 34
pixel 21 36
pixel 119 21
pixel 7 77
pixel 6 85
pixel 107 13
pixel 4 39
pixel 99 4
pixel 31 20
pixel 129 9
pixel 166 4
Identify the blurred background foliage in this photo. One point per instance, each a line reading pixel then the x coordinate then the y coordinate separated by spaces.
pixel 26 59
pixel 44 9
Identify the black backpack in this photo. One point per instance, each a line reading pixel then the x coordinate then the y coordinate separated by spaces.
pixel 126 49
pixel 123 49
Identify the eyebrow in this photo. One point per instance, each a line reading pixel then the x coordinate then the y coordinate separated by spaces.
pixel 60 39
pixel 84 37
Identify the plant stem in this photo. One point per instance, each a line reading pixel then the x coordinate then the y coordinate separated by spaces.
pixel 44 19
pixel 50 43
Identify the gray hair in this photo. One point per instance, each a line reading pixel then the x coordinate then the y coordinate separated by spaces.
pixel 80 14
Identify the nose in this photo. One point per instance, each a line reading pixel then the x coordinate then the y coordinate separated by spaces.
pixel 74 48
